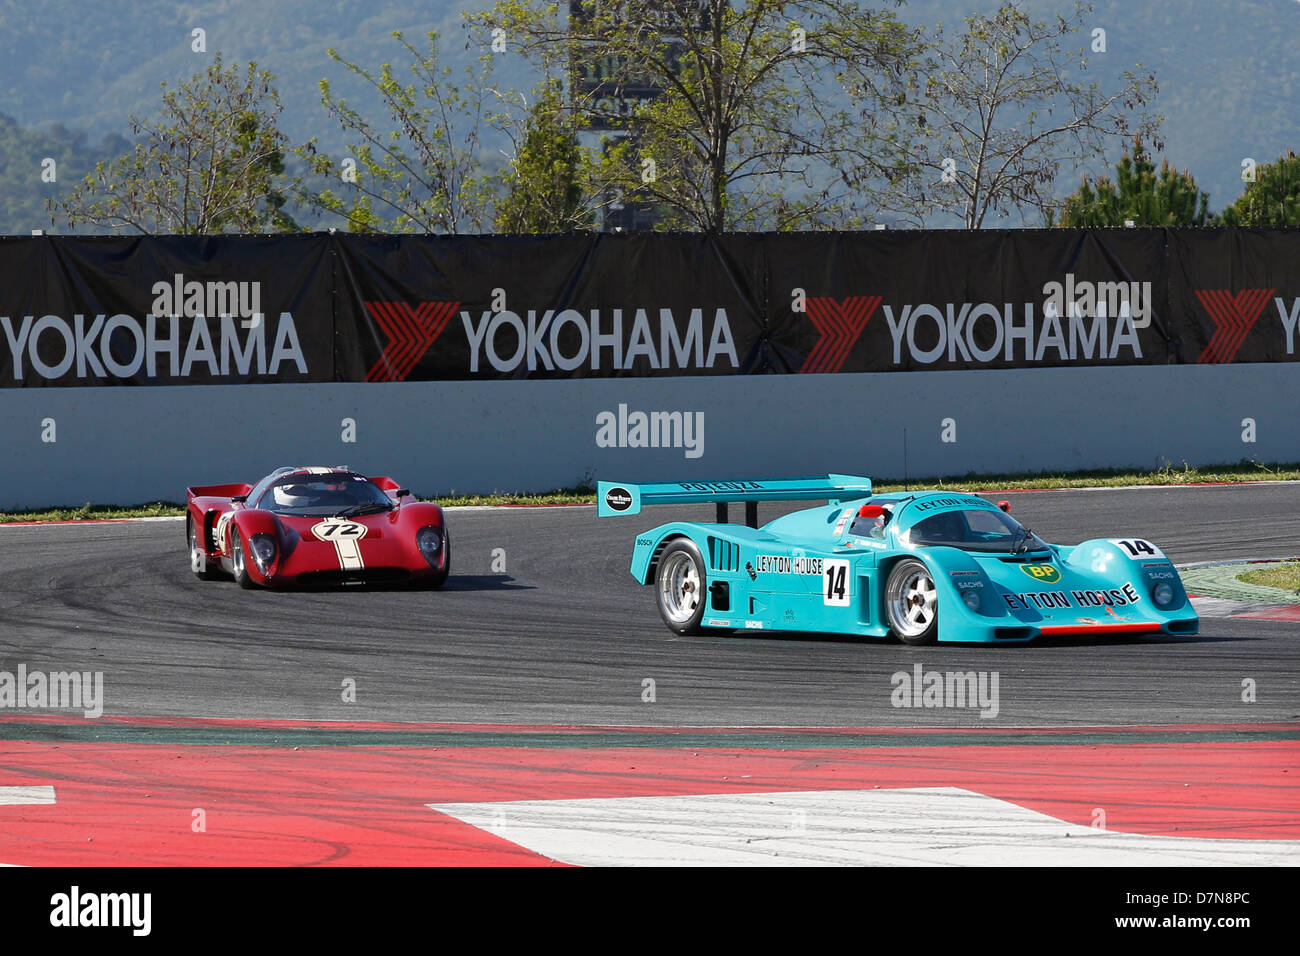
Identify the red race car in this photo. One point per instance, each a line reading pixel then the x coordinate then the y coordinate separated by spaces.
pixel 313 526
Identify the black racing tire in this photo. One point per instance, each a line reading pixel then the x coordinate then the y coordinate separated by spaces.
pixel 203 567
pixel 681 587
pixel 239 558
pixel 912 603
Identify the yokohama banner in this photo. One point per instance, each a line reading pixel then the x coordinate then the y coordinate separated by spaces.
pixel 172 310
pixel 166 310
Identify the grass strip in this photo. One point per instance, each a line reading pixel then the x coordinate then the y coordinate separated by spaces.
pixel 1284 575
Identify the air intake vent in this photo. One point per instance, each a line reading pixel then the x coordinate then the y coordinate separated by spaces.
pixel 723 555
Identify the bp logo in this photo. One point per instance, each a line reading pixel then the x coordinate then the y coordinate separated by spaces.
pixel 1043 573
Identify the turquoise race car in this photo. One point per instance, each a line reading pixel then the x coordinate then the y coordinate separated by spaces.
pixel 924 566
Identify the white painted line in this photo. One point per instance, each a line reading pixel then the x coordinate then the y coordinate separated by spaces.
pixel 15 796
pixel 98 522
pixel 1199 484
pixel 1242 561
pixel 88 522
pixel 941 826
pixel 463 508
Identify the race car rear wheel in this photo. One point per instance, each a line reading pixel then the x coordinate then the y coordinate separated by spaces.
pixel 681 587
pixel 239 558
pixel 912 603
pixel 200 564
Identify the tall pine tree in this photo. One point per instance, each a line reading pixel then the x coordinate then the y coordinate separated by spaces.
pixel 1138 194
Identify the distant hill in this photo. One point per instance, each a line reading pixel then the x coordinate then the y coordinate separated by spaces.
pixel 90 65
pixel 1229 70
pixel 29 157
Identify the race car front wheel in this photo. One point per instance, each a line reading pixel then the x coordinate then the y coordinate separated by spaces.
pixel 681 587
pixel 199 562
pixel 912 603
pixel 239 558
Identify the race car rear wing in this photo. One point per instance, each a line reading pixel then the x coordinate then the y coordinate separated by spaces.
pixel 615 498
pixel 217 491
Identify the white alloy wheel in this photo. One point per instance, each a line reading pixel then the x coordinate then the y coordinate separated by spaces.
pixel 912 603
pixel 681 587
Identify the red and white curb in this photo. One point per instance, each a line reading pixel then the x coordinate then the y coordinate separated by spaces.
pixel 1223 607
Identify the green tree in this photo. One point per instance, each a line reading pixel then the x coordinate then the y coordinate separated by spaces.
pixel 1138 195
pixel 743 133
pixel 1273 199
pixel 1005 107
pixel 211 161
pixel 426 173
pixel 545 182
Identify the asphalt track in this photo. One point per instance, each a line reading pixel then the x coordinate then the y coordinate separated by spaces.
pixel 506 718
pixel 563 636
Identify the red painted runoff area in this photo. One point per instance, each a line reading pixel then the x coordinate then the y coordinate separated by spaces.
pixel 165 804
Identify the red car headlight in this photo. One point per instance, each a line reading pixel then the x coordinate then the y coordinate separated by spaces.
pixel 265 551
pixel 429 540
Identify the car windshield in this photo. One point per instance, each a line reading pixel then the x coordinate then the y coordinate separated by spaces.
pixel 975 529
pixel 325 496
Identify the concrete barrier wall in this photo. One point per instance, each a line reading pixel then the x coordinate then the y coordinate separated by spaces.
pixel 131 445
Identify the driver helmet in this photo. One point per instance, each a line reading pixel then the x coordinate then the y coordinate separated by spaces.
pixel 878 526
pixel 295 496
